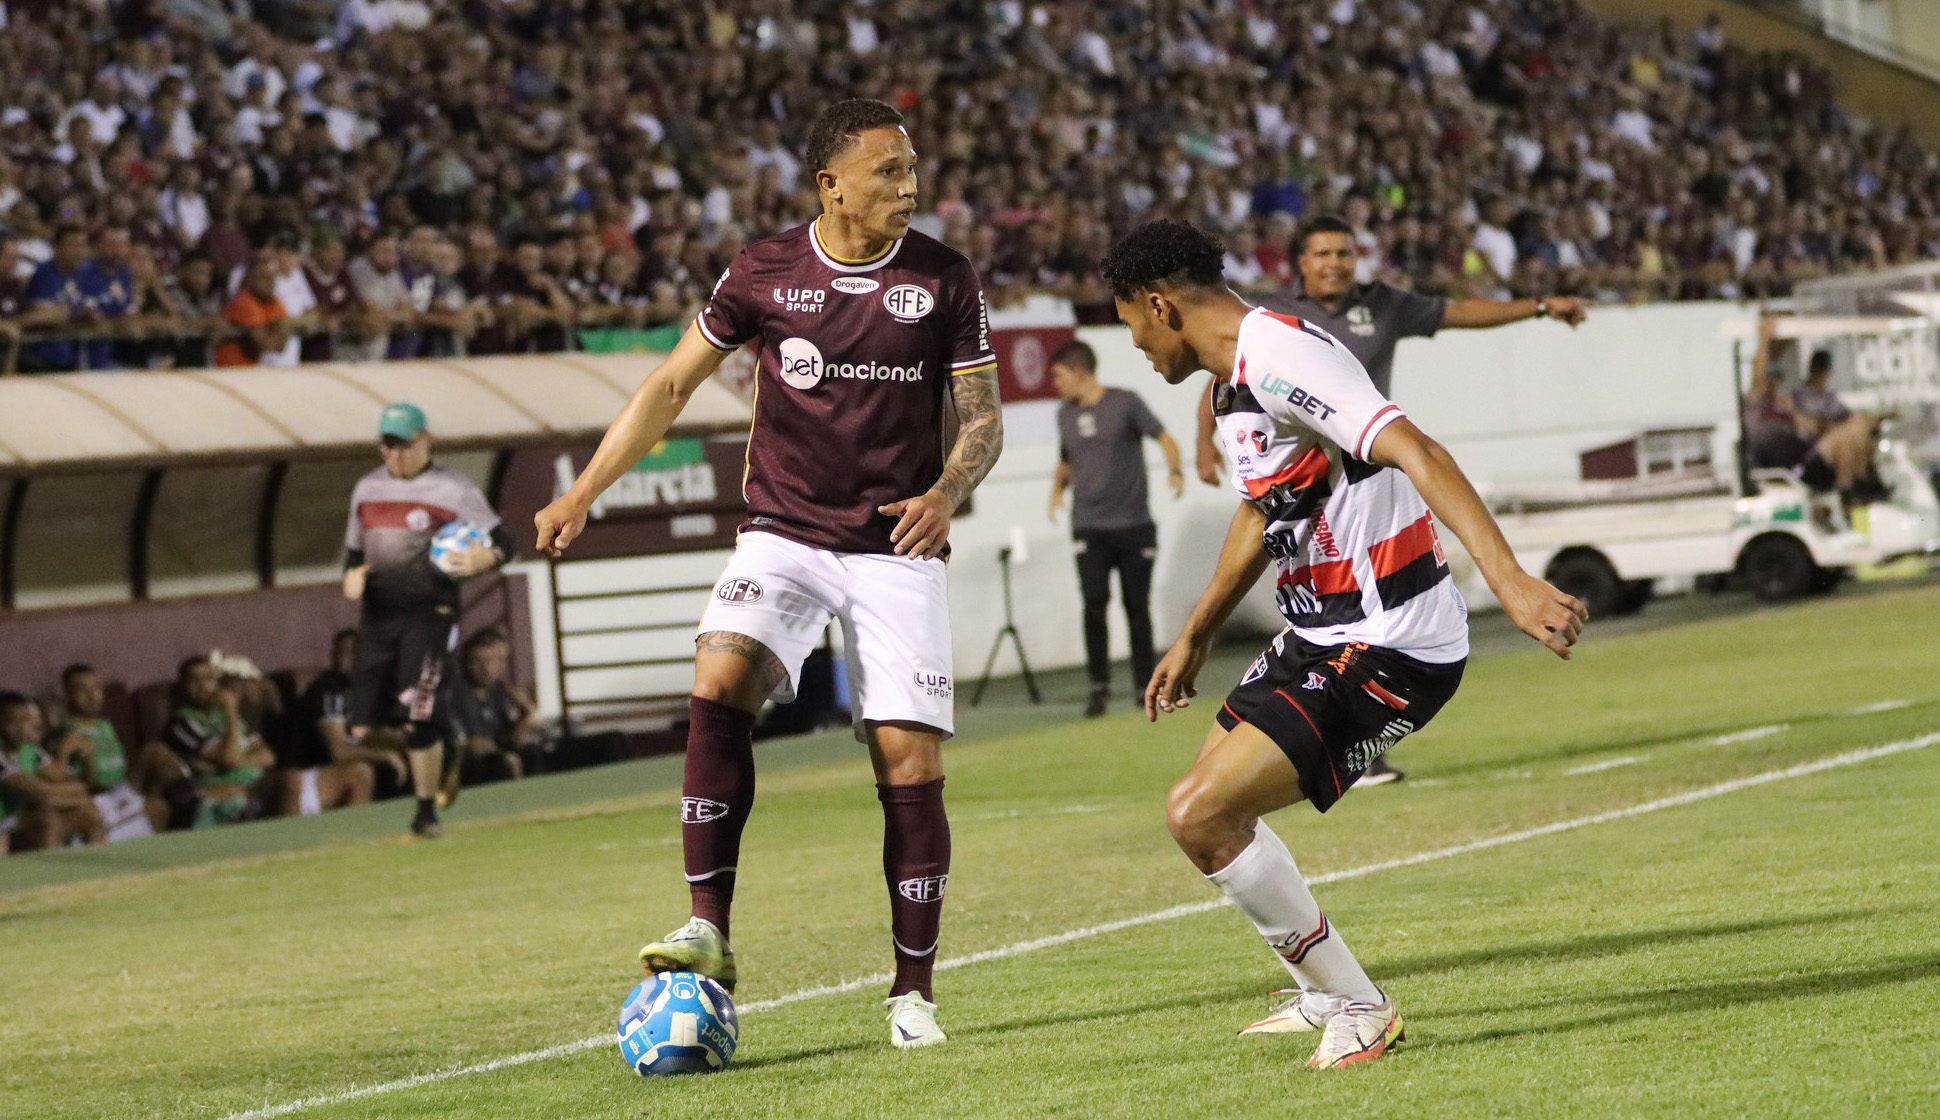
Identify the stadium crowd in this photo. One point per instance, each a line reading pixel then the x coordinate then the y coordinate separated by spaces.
pixel 193 181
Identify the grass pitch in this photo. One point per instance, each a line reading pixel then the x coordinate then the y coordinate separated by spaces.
pixel 1770 951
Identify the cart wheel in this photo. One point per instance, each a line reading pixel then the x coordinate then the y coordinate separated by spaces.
pixel 1587 574
pixel 1777 566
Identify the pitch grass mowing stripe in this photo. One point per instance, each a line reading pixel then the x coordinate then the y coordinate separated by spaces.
pixel 1705 793
pixel 1750 734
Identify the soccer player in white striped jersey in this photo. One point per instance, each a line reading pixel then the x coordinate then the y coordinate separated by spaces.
pixel 1337 488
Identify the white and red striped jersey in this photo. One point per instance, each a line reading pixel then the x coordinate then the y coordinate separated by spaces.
pixel 1358 557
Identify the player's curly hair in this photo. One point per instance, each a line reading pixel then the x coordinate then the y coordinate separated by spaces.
pixel 1177 254
pixel 841 123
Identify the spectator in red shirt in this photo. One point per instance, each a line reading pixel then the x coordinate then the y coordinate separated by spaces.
pixel 258 316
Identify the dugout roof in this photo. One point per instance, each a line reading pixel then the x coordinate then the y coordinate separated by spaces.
pixel 89 421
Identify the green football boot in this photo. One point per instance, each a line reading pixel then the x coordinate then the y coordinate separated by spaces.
pixel 695 947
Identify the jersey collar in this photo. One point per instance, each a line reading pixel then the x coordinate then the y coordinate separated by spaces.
pixel 838 264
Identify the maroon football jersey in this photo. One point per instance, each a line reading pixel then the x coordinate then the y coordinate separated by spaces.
pixel 855 365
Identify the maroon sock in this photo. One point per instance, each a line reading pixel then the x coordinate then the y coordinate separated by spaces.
pixel 916 862
pixel 716 794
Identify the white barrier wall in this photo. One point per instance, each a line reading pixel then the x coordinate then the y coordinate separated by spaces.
pixel 1516 405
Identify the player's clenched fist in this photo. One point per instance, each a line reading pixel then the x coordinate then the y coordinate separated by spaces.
pixel 1544 613
pixel 559 525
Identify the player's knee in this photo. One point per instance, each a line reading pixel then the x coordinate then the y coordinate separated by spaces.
pixel 722 689
pixel 734 681
pixel 1192 813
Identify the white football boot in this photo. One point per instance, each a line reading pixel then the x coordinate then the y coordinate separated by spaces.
pixel 1296 1011
pixel 912 1021
pixel 1358 1032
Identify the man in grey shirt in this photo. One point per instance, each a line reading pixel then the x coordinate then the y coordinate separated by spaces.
pixel 1369 319
pixel 1101 458
pixel 409 622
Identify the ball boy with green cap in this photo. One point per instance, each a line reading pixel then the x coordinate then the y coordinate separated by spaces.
pixel 409 624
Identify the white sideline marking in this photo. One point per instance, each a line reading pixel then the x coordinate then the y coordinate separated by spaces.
pixel 1803 769
pixel 1013 814
pixel 1881 706
pixel 1607 764
pixel 1750 733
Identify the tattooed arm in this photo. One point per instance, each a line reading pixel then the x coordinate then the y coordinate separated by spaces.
pixel 923 525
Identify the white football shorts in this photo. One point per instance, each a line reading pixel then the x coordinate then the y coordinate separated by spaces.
pixel 895 615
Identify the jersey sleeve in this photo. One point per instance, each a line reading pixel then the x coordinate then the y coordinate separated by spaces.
pixel 354 526
pixel 473 507
pixel 1144 420
pixel 1417 315
pixel 729 320
pixel 969 323
pixel 1301 377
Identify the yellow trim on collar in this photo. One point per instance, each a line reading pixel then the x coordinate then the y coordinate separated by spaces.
pixel 815 231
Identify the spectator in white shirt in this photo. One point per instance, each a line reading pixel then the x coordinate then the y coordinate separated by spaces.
pixel 1494 241
pixel 1242 263
pixel 103 114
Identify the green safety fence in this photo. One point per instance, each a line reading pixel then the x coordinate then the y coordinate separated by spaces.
pixel 626 340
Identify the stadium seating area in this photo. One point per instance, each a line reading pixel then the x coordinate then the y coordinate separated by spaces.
pixel 135 726
pixel 434 176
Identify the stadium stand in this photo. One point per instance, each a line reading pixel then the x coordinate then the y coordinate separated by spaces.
pixel 563 159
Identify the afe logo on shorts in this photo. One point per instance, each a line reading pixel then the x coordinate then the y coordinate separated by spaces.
pixel 699 810
pixel 418 520
pixel 855 285
pixel 739 590
pixel 927 889
pixel 1315 682
pixel 1259 441
pixel 801 363
pixel 908 302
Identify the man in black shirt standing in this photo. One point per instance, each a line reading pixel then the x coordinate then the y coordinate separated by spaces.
pixel 1101 457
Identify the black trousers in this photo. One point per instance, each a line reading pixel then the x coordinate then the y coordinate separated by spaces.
pixel 1131 552
pixel 399 650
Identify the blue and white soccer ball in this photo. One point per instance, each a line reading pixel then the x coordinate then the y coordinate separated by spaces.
pixel 677 1022
pixel 453 539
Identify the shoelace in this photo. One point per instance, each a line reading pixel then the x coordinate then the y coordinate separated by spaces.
pixel 897 1003
pixel 1350 1039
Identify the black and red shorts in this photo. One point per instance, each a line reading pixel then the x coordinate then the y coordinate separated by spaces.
pixel 1335 709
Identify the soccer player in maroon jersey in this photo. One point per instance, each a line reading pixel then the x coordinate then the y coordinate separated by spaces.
pixel 866 332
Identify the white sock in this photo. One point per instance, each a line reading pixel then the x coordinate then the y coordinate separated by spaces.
pixel 1265 884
